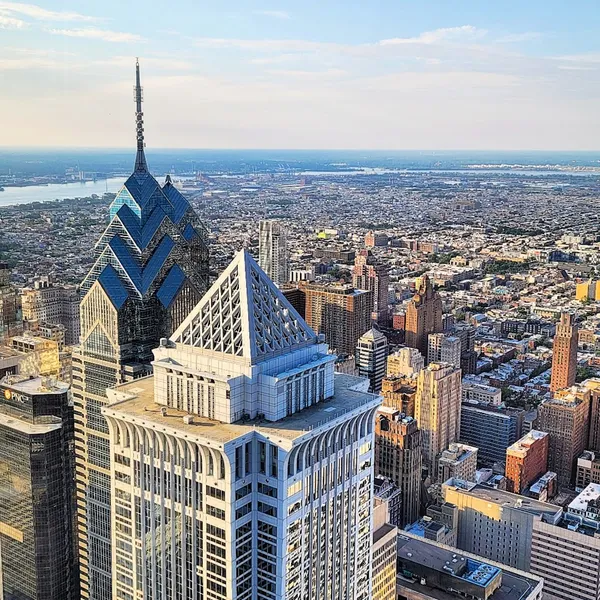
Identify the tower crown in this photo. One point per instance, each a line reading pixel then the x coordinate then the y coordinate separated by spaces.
pixel 138 97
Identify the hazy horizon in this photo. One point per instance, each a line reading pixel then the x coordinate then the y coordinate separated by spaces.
pixel 336 75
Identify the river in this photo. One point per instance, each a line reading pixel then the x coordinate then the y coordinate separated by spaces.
pixel 59 191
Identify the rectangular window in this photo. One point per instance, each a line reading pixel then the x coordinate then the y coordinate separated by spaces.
pixel 262 457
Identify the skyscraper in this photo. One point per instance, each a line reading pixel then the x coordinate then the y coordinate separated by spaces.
pixel 273 251
pixel 423 315
pixel 437 410
pixel 37 558
pixel 370 275
pixel 243 468
pixel 10 305
pixel 398 456
pixel 341 312
pixel 371 357
pixel 566 418
pixel 564 353
pixel 151 269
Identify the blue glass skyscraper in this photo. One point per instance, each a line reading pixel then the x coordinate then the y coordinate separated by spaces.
pixel 150 270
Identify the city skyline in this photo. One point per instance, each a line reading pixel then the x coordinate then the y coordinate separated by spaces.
pixel 282 76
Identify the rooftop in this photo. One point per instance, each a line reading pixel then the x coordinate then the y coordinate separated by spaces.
pixel 34 385
pixel 522 446
pixel 19 426
pixel 590 494
pixel 549 512
pixel 516 585
pixel 136 404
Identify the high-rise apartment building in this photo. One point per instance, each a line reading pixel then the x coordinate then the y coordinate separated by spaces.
pixel 398 456
pixel 371 357
pixel 243 468
pixel 370 275
pixel 437 410
pixel 151 269
pixel 496 524
pixel 566 418
pixel 273 251
pixel 564 353
pixel 54 304
pixel 405 361
pixel 526 461
pixel 444 348
pixel 459 461
pixel 340 312
pixel 423 315
pixel 11 322
pixel 37 553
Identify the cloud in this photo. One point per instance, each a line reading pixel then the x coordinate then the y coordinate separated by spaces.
pixel 91 33
pixel 37 12
pixel 275 14
pixel 264 45
pixel 445 34
pixel 11 23
pixel 526 36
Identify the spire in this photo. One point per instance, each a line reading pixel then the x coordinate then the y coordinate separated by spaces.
pixel 140 159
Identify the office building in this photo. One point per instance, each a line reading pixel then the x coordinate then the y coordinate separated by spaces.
pixel 340 312
pixel 371 357
pixel 423 315
pixel 490 429
pixel 11 322
pixel 398 457
pixel 459 461
pixel 150 270
pixel 544 489
pixel 588 290
pixel 566 418
pixel 437 410
pixel 399 392
pixel 273 251
pixel 468 357
pixel 367 274
pixel 384 553
pixel 444 348
pixel 55 304
pixel 564 353
pixel 526 460
pixel 593 385
pixel 479 393
pixel 496 524
pixel 434 571
pixel 237 457
pixel 405 361
pixel 36 490
pixel 384 489
pixel 567 555
pixel 41 357
pixel 587 470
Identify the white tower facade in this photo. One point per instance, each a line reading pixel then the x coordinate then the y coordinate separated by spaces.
pixel 273 251
pixel 243 468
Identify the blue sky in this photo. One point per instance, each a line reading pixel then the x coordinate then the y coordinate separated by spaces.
pixel 329 74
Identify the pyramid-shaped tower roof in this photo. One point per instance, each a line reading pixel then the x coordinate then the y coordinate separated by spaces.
pixel 244 315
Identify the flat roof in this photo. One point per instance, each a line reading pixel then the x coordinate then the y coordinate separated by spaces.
pixel 35 385
pixel 515 585
pixel 509 500
pixel 27 428
pixel 591 492
pixel 136 404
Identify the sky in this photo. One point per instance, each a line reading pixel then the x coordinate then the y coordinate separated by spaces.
pixel 314 74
